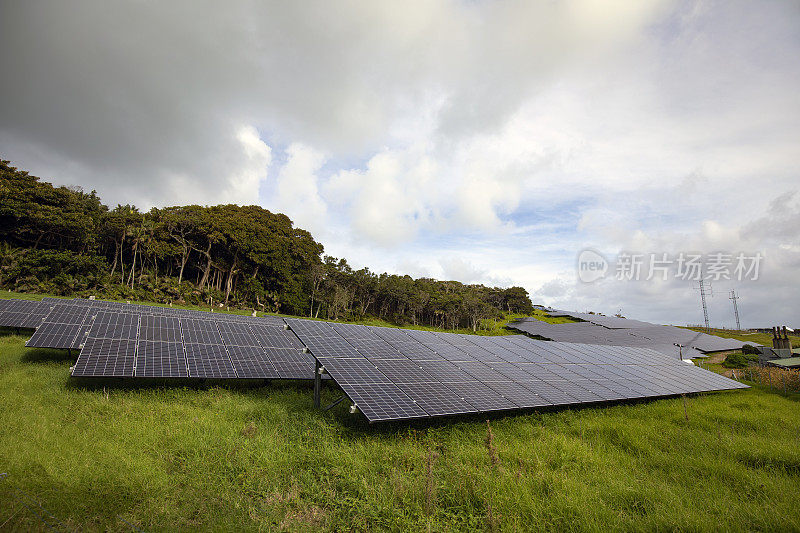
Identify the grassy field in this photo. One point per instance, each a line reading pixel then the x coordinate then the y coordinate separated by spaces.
pixel 108 456
pixel 538 314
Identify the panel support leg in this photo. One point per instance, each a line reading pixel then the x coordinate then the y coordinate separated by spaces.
pixel 317 382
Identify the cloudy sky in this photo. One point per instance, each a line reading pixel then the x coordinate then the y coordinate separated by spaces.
pixel 485 142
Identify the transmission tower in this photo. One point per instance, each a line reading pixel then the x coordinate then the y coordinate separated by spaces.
pixel 733 297
pixel 705 290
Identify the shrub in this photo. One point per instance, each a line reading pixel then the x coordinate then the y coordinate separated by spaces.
pixel 55 271
pixel 747 349
pixel 735 360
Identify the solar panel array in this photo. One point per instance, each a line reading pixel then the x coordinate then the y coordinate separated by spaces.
pixel 120 344
pixel 67 325
pixel 616 331
pixel 390 374
pixel 393 374
pixel 22 313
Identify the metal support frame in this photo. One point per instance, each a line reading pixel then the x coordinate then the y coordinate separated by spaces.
pixel 335 403
pixel 319 370
pixel 317 382
pixel 680 350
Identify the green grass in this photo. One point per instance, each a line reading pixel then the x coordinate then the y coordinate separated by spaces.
pixel 538 314
pixel 253 457
pixel 488 327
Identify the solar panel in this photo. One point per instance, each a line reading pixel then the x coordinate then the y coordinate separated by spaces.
pixel 614 331
pixel 209 361
pixel 272 337
pixel 114 325
pixel 437 399
pixel 384 401
pixel 63 327
pixel 252 362
pixel 481 397
pixel 22 313
pixel 290 364
pixel 160 328
pixel 106 357
pixel 183 346
pixel 466 375
pixel 161 359
pixel 202 332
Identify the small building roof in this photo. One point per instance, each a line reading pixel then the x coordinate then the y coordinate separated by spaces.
pixel 787 362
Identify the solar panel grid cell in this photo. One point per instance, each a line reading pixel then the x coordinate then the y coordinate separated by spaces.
pixel 310 328
pixel 209 361
pixel 353 370
pixel 112 325
pixel 201 332
pixel 416 352
pixel 437 399
pixel 476 353
pixel 106 357
pixel 255 369
pixel 156 358
pixel 165 329
pixel 480 371
pixel 513 372
pixel 384 401
pixel 53 335
pixel 482 397
pixel 445 371
pixel 520 395
pixel 405 371
pixel 293 366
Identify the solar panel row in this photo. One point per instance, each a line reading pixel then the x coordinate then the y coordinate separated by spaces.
pixel 126 345
pixel 67 324
pixel 165 311
pixel 22 313
pixel 395 374
pixel 615 331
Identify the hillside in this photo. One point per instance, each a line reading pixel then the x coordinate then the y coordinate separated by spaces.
pixel 111 455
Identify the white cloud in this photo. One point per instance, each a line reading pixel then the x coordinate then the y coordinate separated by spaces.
pixel 392 199
pixel 508 135
pixel 297 190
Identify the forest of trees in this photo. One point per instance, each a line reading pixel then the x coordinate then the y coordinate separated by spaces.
pixel 62 240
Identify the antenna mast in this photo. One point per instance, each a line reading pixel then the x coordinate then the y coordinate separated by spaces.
pixel 705 290
pixel 733 297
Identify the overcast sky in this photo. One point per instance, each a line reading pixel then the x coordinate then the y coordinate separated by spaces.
pixel 479 141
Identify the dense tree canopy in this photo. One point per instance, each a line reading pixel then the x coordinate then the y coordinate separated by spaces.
pixel 62 240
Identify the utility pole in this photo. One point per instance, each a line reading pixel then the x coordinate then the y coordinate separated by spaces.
pixel 733 297
pixel 705 290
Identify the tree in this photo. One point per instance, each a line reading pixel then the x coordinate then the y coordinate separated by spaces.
pixel 63 240
pixel 516 300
